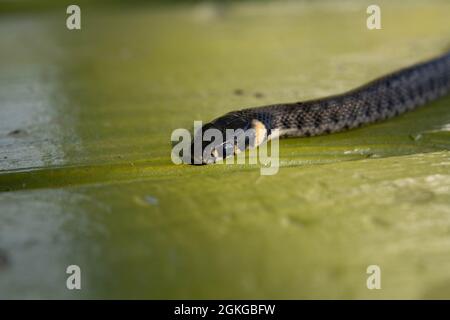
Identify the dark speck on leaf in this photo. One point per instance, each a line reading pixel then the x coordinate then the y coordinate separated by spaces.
pixel 380 222
pixel 17 133
pixel 4 260
pixel 238 92
pixel 258 95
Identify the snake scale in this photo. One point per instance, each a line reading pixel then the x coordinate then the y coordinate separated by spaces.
pixel 380 99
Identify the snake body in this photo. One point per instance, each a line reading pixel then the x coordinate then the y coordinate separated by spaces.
pixel 383 98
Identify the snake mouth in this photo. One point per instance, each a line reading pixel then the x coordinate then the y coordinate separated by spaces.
pixel 211 152
pixel 201 151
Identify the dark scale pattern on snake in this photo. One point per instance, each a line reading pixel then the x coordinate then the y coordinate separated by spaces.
pixel 378 100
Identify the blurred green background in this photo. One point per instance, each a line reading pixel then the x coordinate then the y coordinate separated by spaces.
pixel 86 176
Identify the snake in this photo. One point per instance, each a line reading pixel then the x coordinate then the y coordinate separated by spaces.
pixel 383 98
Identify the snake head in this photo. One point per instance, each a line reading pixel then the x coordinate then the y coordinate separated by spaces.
pixel 226 136
pixel 219 139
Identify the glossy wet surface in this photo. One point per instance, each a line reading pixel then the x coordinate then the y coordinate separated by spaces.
pixel 86 176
